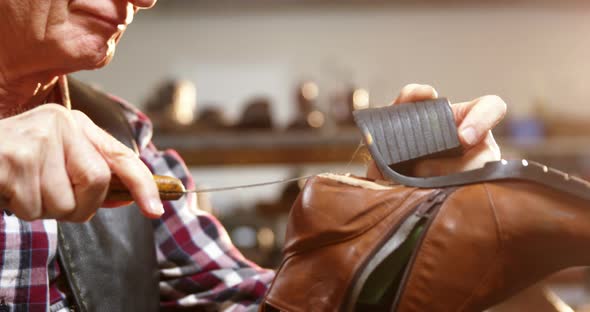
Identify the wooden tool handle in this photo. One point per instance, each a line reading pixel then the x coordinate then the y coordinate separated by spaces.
pixel 170 188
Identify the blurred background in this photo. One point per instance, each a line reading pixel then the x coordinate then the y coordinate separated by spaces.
pixel 255 91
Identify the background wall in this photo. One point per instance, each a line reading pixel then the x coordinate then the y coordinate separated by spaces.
pixel 520 53
pixel 526 55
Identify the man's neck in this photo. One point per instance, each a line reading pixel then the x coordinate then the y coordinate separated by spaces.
pixel 24 94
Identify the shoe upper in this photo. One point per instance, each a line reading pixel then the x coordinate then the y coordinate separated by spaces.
pixel 335 225
pixel 491 240
pixel 487 242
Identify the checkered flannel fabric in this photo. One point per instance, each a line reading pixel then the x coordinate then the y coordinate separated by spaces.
pixel 199 265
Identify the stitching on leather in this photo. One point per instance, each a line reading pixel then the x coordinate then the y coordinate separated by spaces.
pixel 496 217
pixel 73 281
pixel 492 268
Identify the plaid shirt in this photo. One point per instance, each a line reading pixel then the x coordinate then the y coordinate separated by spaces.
pixel 199 266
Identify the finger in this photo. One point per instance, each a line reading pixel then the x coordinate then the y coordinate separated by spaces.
pixel 26 202
pixel 416 92
pixel 90 176
pixel 476 118
pixel 56 188
pixel 124 163
pixel 19 183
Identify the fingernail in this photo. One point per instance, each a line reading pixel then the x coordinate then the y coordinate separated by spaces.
pixel 469 135
pixel 156 206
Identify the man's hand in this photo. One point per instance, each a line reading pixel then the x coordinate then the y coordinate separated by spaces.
pixel 474 119
pixel 56 163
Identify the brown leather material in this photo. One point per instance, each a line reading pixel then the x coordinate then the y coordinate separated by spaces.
pixel 485 243
pixel 491 240
pixel 103 111
pixel 333 231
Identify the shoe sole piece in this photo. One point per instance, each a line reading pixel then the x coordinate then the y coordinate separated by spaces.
pixel 401 133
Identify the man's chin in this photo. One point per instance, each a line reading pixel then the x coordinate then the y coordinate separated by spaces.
pixel 94 51
pixel 106 60
pixel 90 62
pixel 98 57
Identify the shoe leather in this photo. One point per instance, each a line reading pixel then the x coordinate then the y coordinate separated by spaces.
pixel 486 242
pixel 333 228
pixel 491 240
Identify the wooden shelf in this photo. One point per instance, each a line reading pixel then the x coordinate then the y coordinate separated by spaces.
pixel 305 147
pixel 252 148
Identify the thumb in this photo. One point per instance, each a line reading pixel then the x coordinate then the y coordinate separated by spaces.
pixel 415 92
pixel 476 118
pixel 124 163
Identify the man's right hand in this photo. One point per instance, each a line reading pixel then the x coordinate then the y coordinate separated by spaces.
pixel 57 164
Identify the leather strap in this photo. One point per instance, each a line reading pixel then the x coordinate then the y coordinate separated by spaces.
pixel 110 261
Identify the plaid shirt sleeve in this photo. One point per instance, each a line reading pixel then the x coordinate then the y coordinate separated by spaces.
pixel 199 265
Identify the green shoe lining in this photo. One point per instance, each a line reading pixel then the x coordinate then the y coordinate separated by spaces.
pixel 388 274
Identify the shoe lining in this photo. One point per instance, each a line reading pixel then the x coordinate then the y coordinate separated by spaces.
pixel 350 180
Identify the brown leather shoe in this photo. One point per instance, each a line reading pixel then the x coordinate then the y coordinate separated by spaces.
pixel 480 243
pixel 497 238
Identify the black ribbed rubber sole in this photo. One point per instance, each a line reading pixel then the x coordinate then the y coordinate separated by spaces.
pixel 411 131
pixel 406 132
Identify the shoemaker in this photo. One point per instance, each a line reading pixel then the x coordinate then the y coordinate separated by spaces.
pixel 59 248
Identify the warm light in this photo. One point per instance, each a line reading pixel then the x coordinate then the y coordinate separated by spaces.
pixel 301 183
pixel 368 138
pixel 310 90
pixel 557 302
pixel 315 119
pixel 185 101
pixel 266 238
pixel 130 13
pixel 360 99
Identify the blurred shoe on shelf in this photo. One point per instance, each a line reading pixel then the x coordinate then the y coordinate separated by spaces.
pixel 256 115
pixel 211 118
pixel 173 104
pixel 343 104
pixel 307 114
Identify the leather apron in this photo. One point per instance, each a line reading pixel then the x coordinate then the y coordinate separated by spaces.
pixel 110 261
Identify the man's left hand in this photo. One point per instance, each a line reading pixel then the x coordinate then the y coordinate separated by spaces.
pixel 475 120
